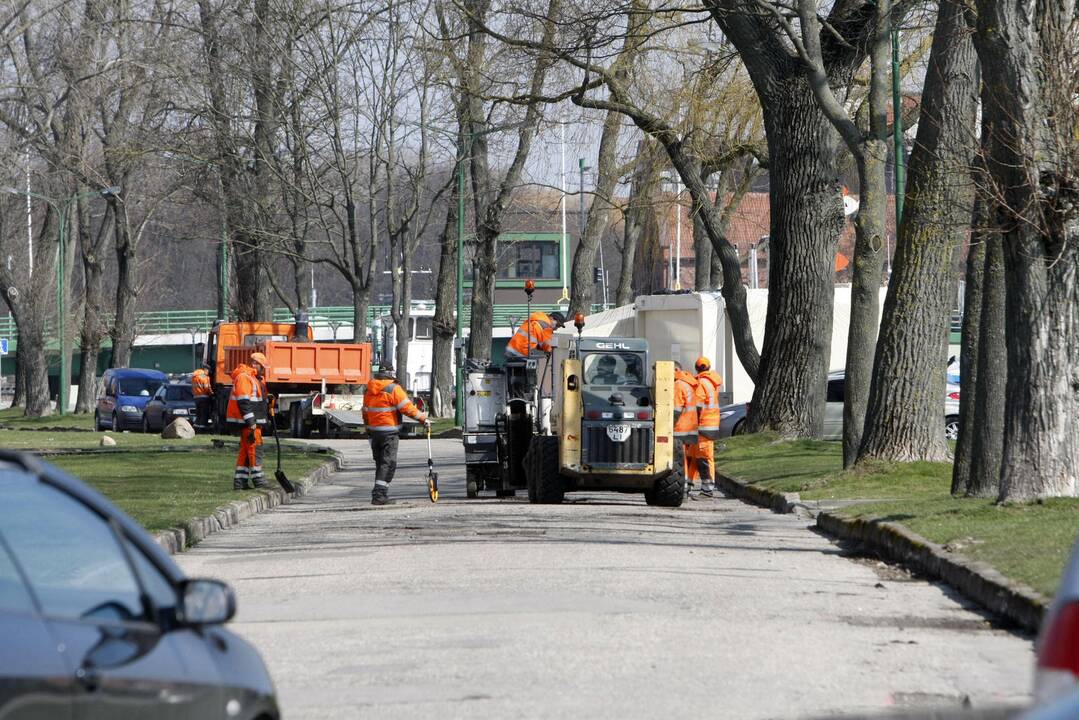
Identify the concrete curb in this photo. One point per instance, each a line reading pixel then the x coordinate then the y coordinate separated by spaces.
pixel 775 501
pixel 975 580
pixel 177 539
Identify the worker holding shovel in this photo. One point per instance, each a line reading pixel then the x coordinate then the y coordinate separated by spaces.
pixel 383 404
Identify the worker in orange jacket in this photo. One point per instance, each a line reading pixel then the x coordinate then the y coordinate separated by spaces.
pixel 203 392
pixel 534 334
pixel 247 410
pixel 708 385
pixel 685 420
pixel 383 404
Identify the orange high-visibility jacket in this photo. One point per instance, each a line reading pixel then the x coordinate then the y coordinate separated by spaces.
pixel 685 406
pixel 708 384
pixel 247 401
pixel 536 333
pixel 383 404
pixel 200 383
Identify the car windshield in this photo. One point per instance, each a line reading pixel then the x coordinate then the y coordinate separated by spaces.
pixel 613 369
pixel 179 392
pixel 139 386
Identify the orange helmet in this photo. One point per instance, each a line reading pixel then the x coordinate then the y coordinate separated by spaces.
pixel 703 364
pixel 260 358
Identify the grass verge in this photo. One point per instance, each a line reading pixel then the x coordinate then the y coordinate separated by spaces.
pixel 162 489
pixel 1029 543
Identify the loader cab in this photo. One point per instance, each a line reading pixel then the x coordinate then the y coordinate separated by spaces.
pixel 616 399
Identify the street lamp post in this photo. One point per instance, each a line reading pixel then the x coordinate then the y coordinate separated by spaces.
pixel 62 208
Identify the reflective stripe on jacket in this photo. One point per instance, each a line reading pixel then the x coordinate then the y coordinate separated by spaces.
pixel 200 383
pixel 685 406
pixel 708 385
pixel 247 401
pixel 383 404
pixel 536 333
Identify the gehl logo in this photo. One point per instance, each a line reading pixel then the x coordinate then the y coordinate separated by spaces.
pixel 611 346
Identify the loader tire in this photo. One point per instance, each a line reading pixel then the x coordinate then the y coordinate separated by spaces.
pixel 668 490
pixel 545 485
pixel 472 482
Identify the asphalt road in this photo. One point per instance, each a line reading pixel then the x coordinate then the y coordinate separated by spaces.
pixel 602 607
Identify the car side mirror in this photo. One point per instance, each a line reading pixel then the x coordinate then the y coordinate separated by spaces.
pixel 206 602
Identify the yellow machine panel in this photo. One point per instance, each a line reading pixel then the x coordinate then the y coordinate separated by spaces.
pixel 569 433
pixel 663 391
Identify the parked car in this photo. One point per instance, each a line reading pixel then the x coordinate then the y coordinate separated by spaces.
pixel 127 390
pixel 171 401
pixel 733 417
pixel 98 622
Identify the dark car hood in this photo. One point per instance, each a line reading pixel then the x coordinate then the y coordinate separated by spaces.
pixel 240 664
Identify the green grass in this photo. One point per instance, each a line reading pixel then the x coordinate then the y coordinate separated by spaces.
pixel 1029 543
pixel 165 489
pixel 13 418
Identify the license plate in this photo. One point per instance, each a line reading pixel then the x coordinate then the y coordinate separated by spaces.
pixel 179 411
pixel 618 433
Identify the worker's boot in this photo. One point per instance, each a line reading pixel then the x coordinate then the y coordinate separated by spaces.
pixel 707 491
pixel 380 496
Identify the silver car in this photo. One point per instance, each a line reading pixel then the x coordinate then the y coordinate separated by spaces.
pixel 733 417
pixel 1056 677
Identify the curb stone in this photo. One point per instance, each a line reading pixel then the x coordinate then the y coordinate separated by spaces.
pixel 177 539
pixel 975 580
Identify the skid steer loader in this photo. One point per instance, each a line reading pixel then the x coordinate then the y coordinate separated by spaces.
pixel 611 425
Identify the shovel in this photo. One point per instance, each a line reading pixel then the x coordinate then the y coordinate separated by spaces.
pixel 432 476
pixel 279 474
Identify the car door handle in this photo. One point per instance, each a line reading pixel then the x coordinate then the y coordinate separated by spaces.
pixel 88 679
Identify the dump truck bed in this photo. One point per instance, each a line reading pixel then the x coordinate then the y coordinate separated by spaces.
pixel 308 363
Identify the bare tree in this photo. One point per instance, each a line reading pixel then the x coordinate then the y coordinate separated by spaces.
pixel 1029 57
pixel 905 422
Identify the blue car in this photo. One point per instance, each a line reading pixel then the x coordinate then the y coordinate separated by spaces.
pixel 127 390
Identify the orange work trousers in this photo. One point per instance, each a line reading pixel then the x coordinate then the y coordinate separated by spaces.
pixel 705 455
pixel 249 459
pixel 689 451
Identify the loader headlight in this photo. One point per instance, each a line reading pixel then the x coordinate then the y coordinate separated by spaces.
pixel 470 439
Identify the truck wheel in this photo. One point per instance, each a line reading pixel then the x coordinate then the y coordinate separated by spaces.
pixel 668 490
pixel 472 485
pixel 545 484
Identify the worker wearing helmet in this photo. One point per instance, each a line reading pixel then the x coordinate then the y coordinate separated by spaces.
pixel 535 334
pixel 203 392
pixel 247 410
pixel 685 420
pixel 708 385
pixel 383 404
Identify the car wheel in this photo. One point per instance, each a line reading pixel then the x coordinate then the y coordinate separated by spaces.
pixel 116 422
pixel 951 427
pixel 740 428
pixel 98 427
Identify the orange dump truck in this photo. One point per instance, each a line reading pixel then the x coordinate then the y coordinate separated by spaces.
pixel 317 386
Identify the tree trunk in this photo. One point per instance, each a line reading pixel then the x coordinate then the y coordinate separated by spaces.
pixel 33 361
pixel 93 329
pixel 584 258
pixel 806 220
pixel 444 327
pixel 1027 53
pixel 702 244
pixel 123 327
pixel 640 199
pixel 970 350
pixel 360 296
pixel 991 390
pixel 905 422
pixel 18 397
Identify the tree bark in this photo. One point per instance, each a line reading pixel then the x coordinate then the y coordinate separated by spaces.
pixel 93 329
pixel 642 186
pixel 991 390
pixel 599 212
pixel 970 350
pixel 444 326
pixel 806 220
pixel 905 423
pixel 1027 52
pixel 127 292
pixel 702 244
